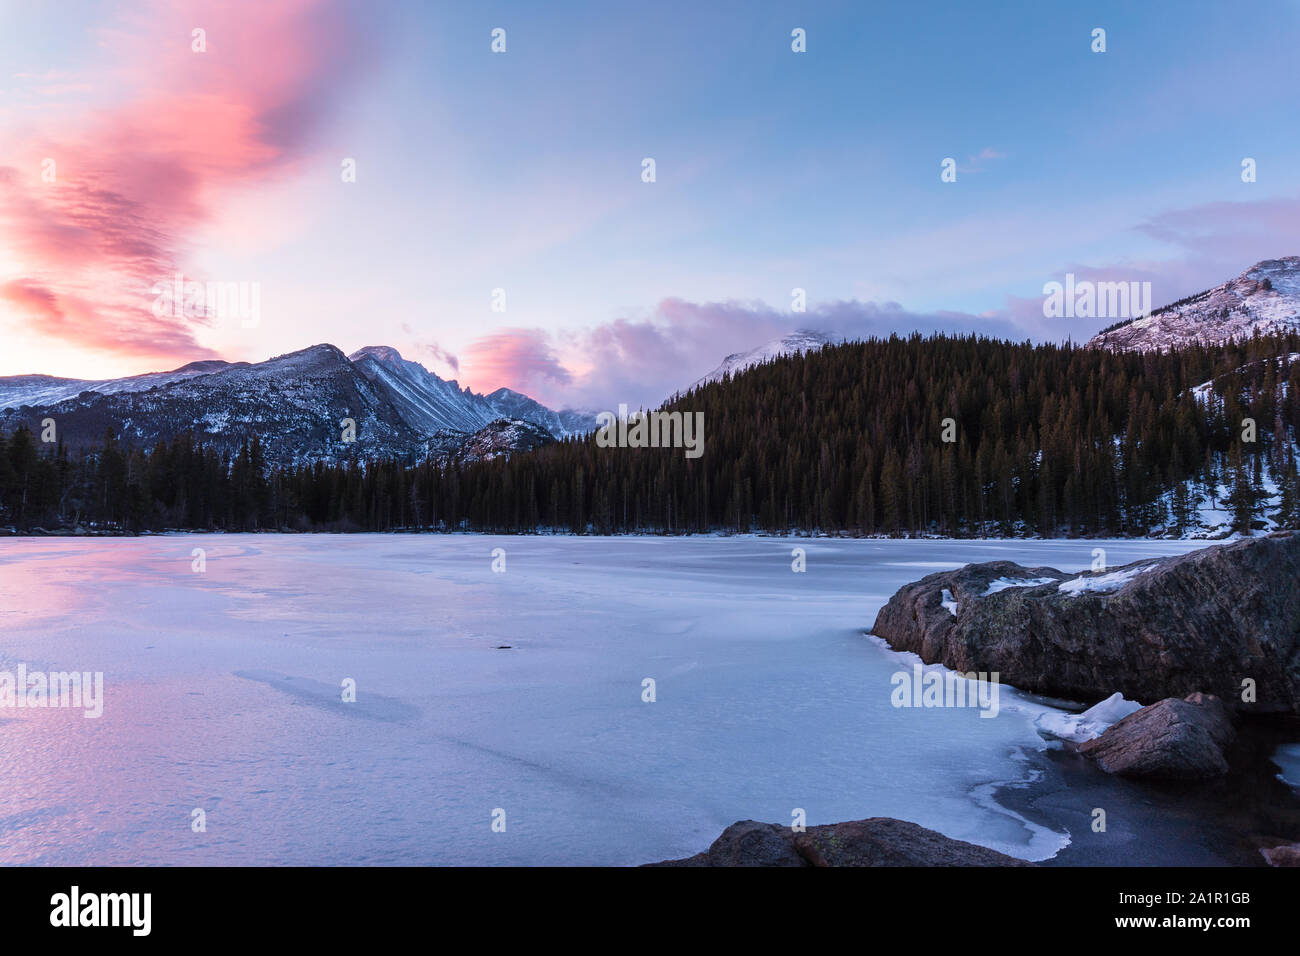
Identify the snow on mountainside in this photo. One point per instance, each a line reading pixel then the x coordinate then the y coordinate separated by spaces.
pixel 19 390
pixel 802 340
pixel 562 424
pixel 1265 298
pixel 426 401
pixel 499 437
pixel 294 403
pixel 431 404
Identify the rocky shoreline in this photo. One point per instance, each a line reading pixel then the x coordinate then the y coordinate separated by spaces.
pixel 1234 819
pixel 1244 818
pixel 1206 621
pixel 1212 637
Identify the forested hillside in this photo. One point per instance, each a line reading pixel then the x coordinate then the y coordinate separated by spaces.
pixel 1047 440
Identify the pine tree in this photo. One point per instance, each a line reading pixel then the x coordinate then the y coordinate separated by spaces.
pixel 1241 500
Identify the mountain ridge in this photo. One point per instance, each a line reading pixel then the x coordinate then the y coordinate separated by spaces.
pixel 798 341
pixel 299 405
pixel 1264 298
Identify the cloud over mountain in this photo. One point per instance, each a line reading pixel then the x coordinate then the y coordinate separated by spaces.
pixel 101 197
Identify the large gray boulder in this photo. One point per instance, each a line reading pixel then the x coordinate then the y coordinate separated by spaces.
pixel 1172 739
pixel 879 841
pixel 1203 621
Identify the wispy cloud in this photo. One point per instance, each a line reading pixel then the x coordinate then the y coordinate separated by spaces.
pixel 1210 243
pixel 981 160
pixel 433 349
pixel 95 212
pixel 1218 234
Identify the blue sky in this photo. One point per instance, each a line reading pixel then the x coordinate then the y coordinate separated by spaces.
pixel 775 170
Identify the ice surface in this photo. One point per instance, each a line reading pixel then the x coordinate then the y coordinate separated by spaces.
pixel 223 693
pixel 1287 757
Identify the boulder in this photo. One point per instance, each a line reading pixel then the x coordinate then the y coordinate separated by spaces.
pixel 879 841
pixel 749 843
pixel 1288 854
pixel 884 841
pixel 1168 627
pixel 1173 739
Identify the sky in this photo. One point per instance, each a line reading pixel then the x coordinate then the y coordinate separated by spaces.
pixel 499 228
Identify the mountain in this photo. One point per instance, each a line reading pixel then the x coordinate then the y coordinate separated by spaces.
pixel 562 424
pixel 801 340
pixel 499 437
pixel 1265 299
pixel 19 390
pixel 294 403
pixel 428 403
pixel 431 404
pixel 846 440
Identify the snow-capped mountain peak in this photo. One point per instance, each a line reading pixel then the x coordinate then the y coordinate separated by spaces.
pixel 429 403
pixel 1265 299
pixel 19 390
pixel 432 404
pixel 380 353
pixel 293 402
pixel 794 343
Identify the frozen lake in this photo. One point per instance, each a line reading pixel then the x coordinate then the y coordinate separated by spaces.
pixel 222 693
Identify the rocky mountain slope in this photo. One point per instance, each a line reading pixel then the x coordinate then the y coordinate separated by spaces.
pixel 498 437
pixel 296 404
pixel 1265 298
pixel 19 390
pixel 430 404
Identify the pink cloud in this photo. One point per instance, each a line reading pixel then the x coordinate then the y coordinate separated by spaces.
pixel 136 178
pixel 641 361
pixel 644 361
pixel 521 359
pixel 34 299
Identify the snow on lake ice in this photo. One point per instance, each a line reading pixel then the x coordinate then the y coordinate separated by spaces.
pixel 223 693
pixel 1090 723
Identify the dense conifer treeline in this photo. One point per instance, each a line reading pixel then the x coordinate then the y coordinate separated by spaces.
pixel 1050 440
